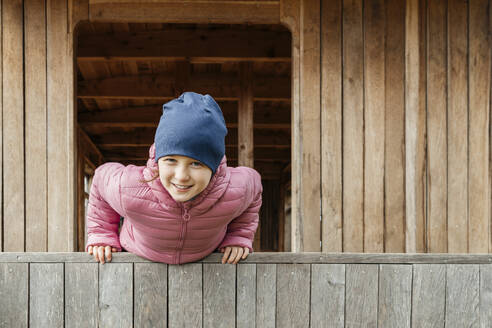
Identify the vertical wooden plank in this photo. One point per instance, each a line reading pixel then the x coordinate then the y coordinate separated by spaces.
pixel 374 116
pixel 46 295
pixel 395 295
pixel 289 16
pixel 457 127
pixel 35 88
pixel 266 296
pixel 81 294
pixel 246 295
pixel 14 298
pixel 479 127
pixel 116 295
pixel 185 295
pixel 13 127
pixel 485 295
pixel 462 295
pixel 219 295
pixel 415 122
pixel 60 139
pixel 331 125
pixel 428 295
pixel 436 127
pixel 327 295
pixel 394 166
pixel 361 296
pixel 353 127
pixel 150 295
pixel 293 279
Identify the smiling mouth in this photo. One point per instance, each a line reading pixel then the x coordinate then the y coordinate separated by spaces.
pixel 181 187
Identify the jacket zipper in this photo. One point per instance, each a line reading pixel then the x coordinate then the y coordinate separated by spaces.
pixel 186 217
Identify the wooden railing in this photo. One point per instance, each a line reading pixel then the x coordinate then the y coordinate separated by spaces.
pixel 266 290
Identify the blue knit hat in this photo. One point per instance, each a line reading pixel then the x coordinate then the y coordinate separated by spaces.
pixel 192 125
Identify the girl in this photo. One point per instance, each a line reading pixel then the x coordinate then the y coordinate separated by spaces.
pixel 185 203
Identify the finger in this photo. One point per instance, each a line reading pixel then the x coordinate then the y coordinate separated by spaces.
pixel 239 254
pixel 246 252
pixel 233 255
pixel 114 249
pixel 108 253
pixel 226 254
pixel 100 251
pixel 95 253
pixel 89 250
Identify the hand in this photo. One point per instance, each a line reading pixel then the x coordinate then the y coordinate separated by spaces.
pixel 234 253
pixel 100 252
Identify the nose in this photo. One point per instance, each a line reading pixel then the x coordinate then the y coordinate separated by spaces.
pixel 181 173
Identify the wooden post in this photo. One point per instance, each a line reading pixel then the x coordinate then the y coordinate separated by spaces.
pixel 80 198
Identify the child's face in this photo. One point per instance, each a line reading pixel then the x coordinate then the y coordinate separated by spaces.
pixel 183 177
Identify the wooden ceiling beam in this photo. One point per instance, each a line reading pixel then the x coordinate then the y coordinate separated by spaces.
pixel 194 45
pixel 223 87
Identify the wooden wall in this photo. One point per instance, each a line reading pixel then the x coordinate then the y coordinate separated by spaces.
pixel 391 128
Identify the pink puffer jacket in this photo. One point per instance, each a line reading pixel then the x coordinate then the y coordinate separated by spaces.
pixel 157 227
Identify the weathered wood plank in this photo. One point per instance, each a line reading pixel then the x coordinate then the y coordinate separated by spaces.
pixel 82 294
pixel 331 125
pixel 457 126
pixel 266 295
pixel 415 122
pixel 428 295
pixel 394 166
pixel 462 295
pixel 293 279
pixel 35 111
pixel 479 127
pixel 436 128
pixel 150 295
pixel 245 115
pixel 374 130
pixel 485 295
pixel 219 295
pixel 185 300
pixel 246 295
pixel 327 295
pixel 395 295
pixel 14 298
pixel 116 295
pixel 46 302
pixel 353 122
pixel 361 295
pixel 13 127
pixel 266 12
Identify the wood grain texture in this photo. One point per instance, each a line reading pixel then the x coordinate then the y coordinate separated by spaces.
pixel 395 295
pixel 246 295
pixel 331 125
pixel 462 295
pixel 35 111
pixel 13 128
pixel 361 295
pixel 185 300
pixel 485 295
pixel 415 122
pixel 436 127
pixel 116 295
pixel 150 295
pixel 14 298
pixel 479 127
pixel 394 165
pixel 374 129
pixel 353 127
pixel 327 295
pixel 293 279
pixel 457 127
pixel 266 295
pixel 428 295
pixel 81 294
pixel 46 295
pixel 245 115
pixel 219 295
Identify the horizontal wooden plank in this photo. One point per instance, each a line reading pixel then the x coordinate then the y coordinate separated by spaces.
pixel 268 257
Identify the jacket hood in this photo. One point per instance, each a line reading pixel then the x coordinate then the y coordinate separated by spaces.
pixel 202 202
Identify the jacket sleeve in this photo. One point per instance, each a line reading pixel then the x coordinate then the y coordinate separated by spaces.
pixel 105 207
pixel 241 230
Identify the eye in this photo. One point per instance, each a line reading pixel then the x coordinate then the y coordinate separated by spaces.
pixel 169 160
pixel 196 164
